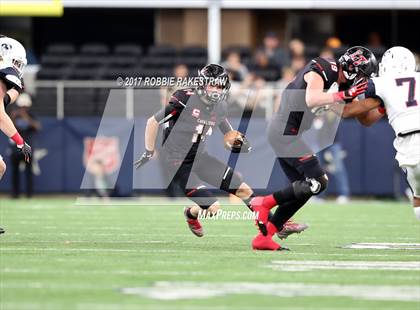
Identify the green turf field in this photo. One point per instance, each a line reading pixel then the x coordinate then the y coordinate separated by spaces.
pixel 58 255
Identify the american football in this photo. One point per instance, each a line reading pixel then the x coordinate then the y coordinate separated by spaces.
pixel 232 138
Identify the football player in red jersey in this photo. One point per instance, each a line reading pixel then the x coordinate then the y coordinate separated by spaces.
pixel 189 119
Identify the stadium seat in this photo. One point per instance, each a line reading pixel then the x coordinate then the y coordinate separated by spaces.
pixel 61 49
pixel 92 61
pixel 53 73
pixel 57 61
pixel 162 50
pixel 83 74
pixel 128 50
pixel 94 49
pixel 124 61
pixel 158 62
pixel 111 73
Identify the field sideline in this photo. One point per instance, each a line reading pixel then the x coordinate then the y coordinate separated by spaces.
pixel 58 255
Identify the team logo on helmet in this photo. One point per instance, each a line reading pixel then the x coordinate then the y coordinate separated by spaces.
pixel 358 58
pixel 6 46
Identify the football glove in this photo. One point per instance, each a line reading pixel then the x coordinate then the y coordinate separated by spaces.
pixel 144 158
pixel 358 88
pixel 26 151
pixel 241 145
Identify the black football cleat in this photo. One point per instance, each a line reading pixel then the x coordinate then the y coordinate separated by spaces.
pixel 2 231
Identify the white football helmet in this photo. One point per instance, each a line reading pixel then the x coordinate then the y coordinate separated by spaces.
pixel 397 60
pixel 12 54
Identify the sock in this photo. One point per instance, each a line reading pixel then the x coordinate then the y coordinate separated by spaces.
pixel 189 215
pixel 417 212
pixel 269 201
pixel 285 211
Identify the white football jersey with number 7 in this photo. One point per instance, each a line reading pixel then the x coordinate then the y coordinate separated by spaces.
pixel 401 97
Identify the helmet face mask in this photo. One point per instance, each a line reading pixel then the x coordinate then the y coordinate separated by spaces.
pixel 358 61
pixel 12 54
pixel 397 60
pixel 214 84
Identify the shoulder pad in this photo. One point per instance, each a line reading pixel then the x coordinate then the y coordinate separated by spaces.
pixel 181 96
pixel 327 68
pixel 11 78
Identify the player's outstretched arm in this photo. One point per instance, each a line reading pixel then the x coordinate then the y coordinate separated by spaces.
pixel 358 107
pixel 152 128
pixel 6 124
pixel 316 97
pixel 150 134
pixel 10 97
pixel 9 129
pixel 370 117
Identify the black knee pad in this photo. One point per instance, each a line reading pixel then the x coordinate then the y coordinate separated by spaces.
pixel 201 196
pixel 304 189
pixel 231 181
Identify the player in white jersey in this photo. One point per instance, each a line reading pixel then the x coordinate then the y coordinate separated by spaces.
pixel 396 93
pixel 12 63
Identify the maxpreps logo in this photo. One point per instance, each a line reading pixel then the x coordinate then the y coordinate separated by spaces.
pixel 101 152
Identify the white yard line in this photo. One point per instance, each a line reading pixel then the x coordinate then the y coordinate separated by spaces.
pixel 286 265
pixel 203 290
pixel 384 246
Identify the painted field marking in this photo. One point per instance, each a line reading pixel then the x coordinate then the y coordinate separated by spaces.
pixel 202 290
pixel 293 265
pixel 384 246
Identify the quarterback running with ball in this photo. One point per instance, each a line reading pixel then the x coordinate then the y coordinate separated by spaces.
pixel 190 117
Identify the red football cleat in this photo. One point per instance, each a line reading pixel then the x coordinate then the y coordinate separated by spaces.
pixel 290 228
pixel 194 225
pixel 262 210
pixel 265 243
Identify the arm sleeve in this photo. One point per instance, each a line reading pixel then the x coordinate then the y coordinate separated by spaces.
pixel 173 109
pixel 165 114
pixel 225 126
